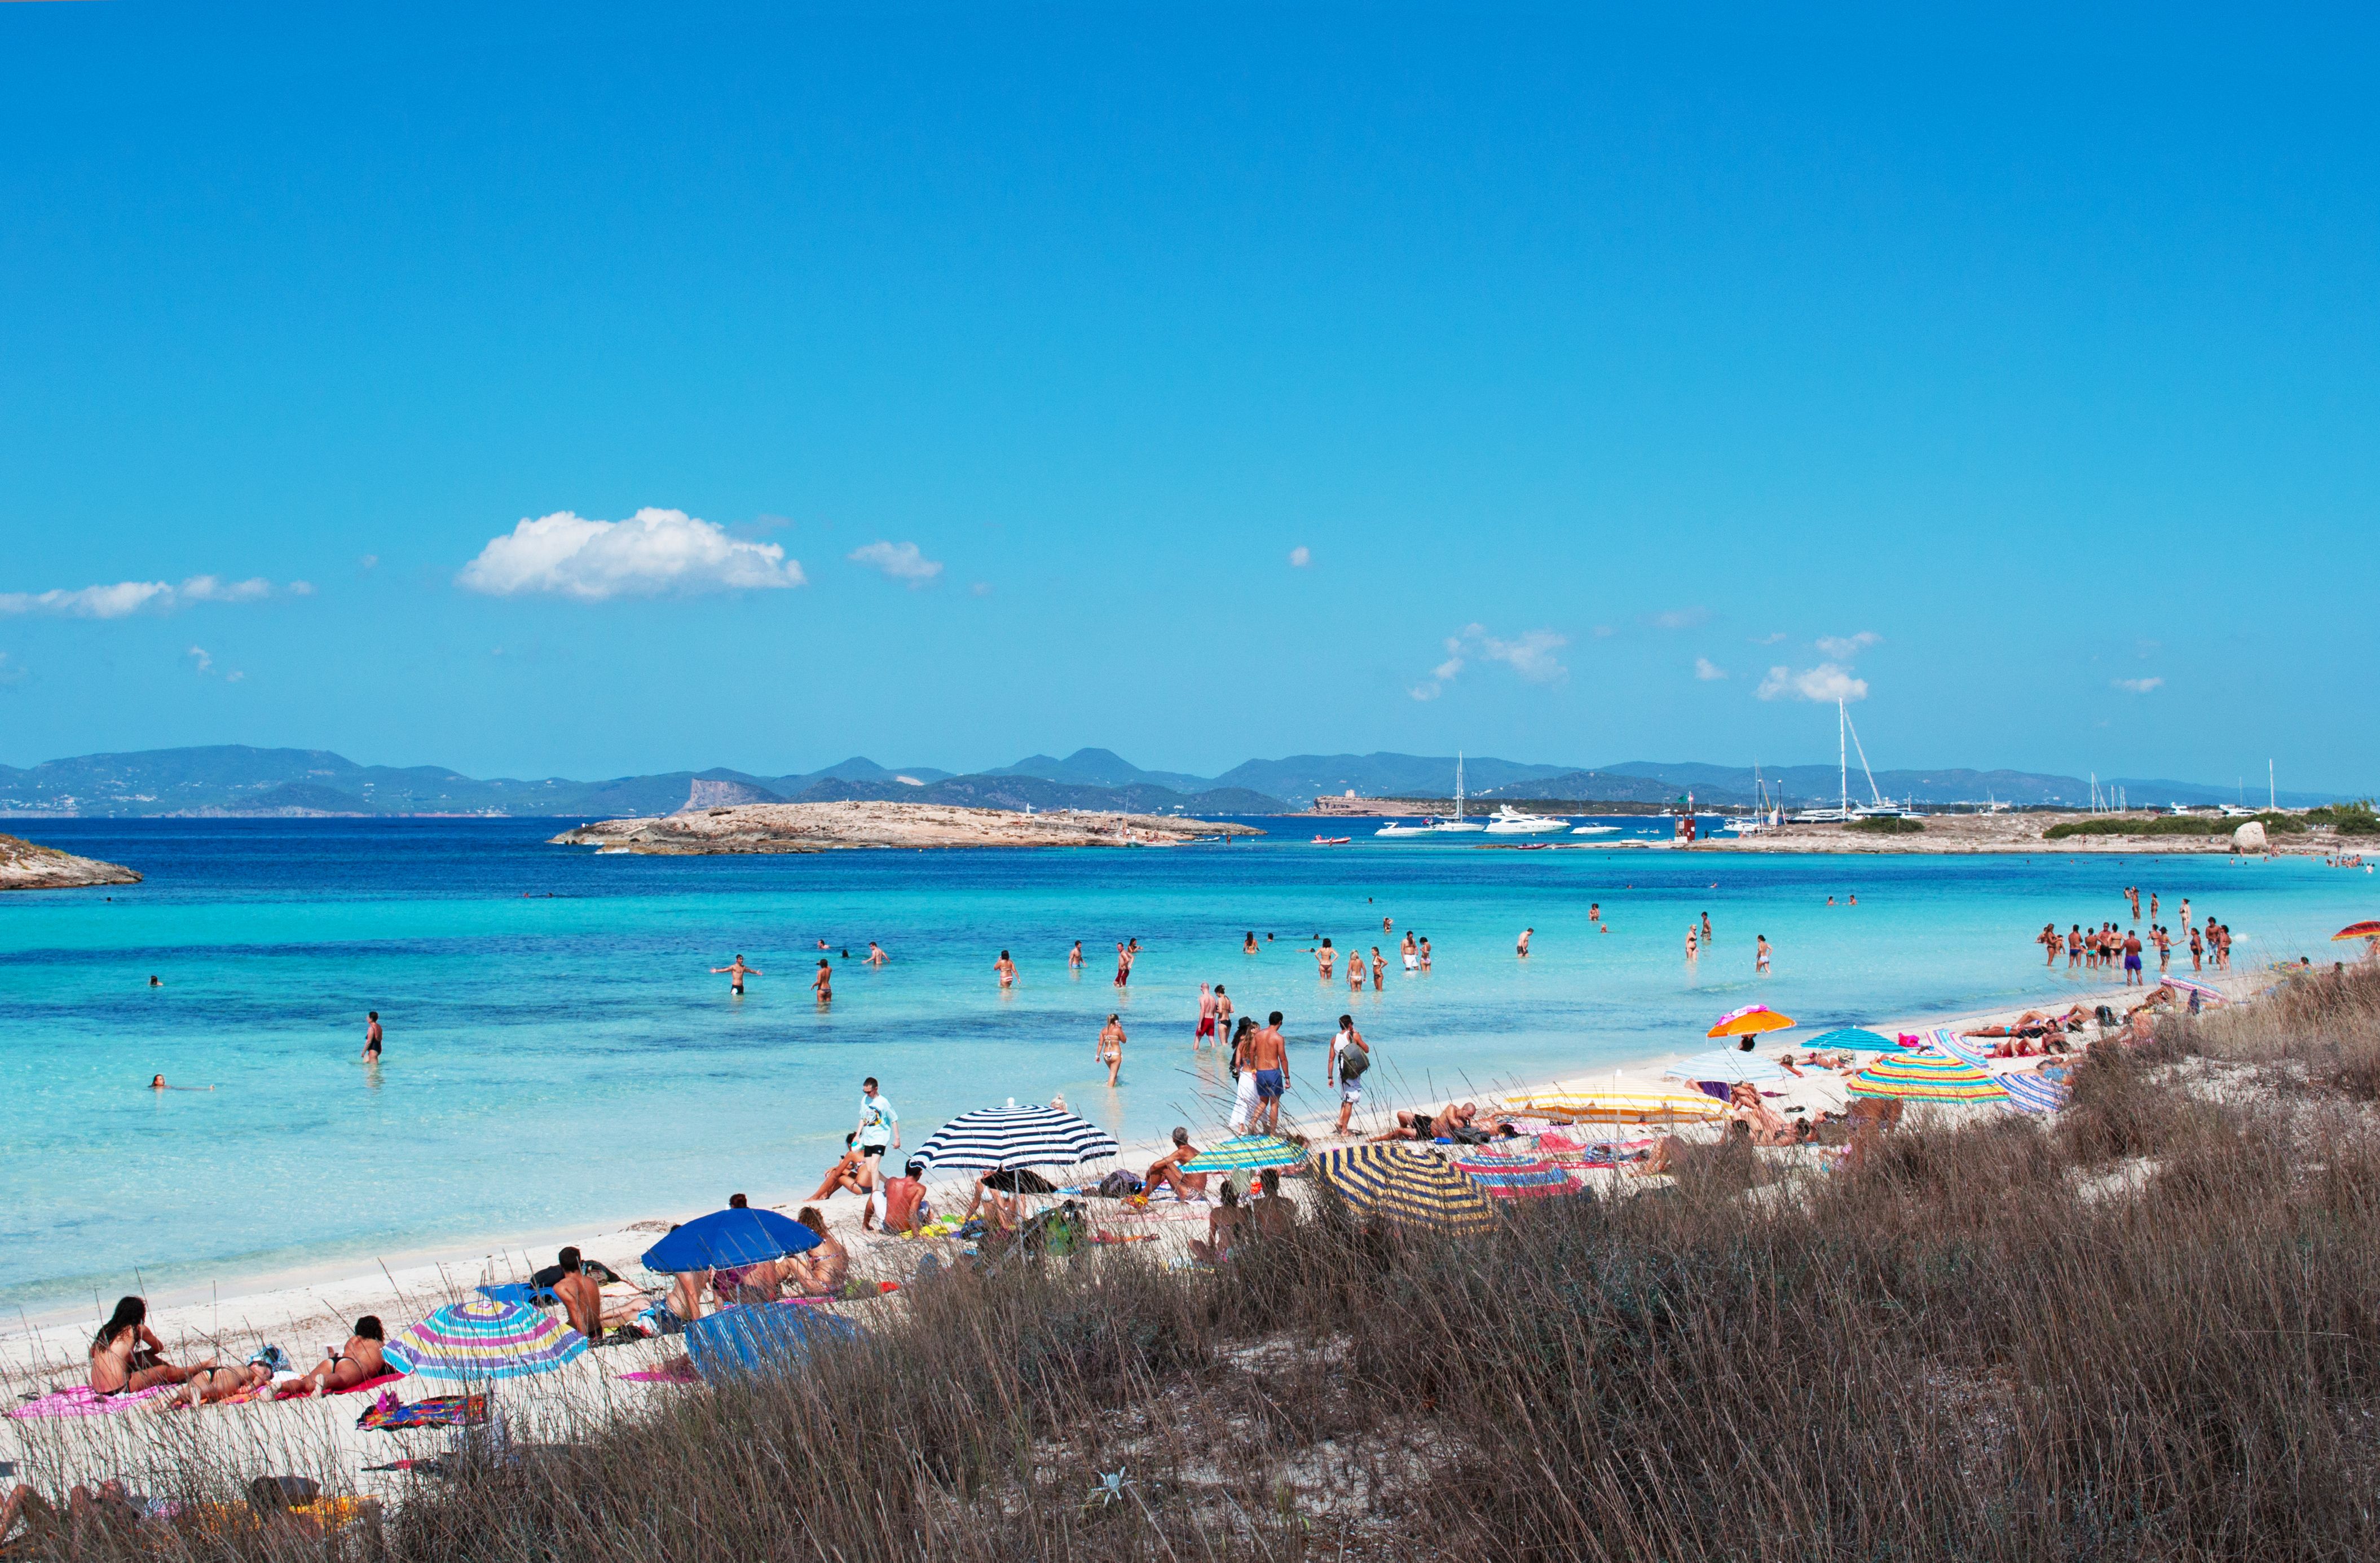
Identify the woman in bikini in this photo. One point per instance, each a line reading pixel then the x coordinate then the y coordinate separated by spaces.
pixel 1111 1051
pixel 819 1272
pixel 1379 969
pixel 359 1359
pixel 126 1358
pixel 1327 959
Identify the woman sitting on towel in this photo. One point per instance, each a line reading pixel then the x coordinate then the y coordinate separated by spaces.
pixel 819 1272
pixel 1223 1222
pixel 126 1358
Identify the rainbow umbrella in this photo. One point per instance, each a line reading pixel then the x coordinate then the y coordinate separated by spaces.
pixel 1514 1177
pixel 483 1339
pixel 1406 1186
pixel 2368 929
pixel 2184 985
pixel 1750 1021
pixel 1248 1151
pixel 1926 1077
pixel 2028 1090
pixel 1618 1107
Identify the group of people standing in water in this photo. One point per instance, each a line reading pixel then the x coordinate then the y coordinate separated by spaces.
pixel 2107 946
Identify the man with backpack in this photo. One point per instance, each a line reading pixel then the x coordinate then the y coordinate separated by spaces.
pixel 1350 1056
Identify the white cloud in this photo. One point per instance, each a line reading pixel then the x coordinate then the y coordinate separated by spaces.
pixel 368 562
pixel 651 552
pixel 1844 648
pixel 198 654
pixel 301 588
pixel 1825 682
pixel 1768 639
pixel 1530 654
pixel 2137 685
pixel 1707 670
pixel 981 588
pixel 127 598
pixel 1300 557
pixel 899 562
pixel 1605 632
pixel 1682 618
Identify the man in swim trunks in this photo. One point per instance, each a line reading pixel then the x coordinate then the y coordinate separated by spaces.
pixel 1075 957
pixel 879 1128
pixel 371 1037
pixel 876 956
pixel 1351 1086
pixel 1206 1017
pixel 2132 961
pixel 1268 1055
pixel 1522 947
pixel 1408 950
pixel 736 973
pixel 1123 964
pixel 581 1299
pixel 1166 1171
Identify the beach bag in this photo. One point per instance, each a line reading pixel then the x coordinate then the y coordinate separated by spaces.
pixel 1119 1184
pixel 1353 1064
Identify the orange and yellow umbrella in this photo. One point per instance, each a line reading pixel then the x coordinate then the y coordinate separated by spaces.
pixel 2368 929
pixel 1750 1021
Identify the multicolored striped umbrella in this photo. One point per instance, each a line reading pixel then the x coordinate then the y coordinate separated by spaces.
pixel 1248 1151
pixel 2027 1092
pixel 1750 1021
pixel 2368 929
pixel 2206 991
pixel 1514 1177
pixel 1725 1064
pixel 1926 1077
pixel 472 1342
pixel 1405 1185
pixel 1619 1106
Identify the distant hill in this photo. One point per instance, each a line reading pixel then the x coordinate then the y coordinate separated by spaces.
pixel 235 778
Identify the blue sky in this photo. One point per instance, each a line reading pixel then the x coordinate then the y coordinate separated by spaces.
pixel 1222 383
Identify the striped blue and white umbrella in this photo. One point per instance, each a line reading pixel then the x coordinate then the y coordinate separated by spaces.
pixel 1729 1064
pixel 992 1138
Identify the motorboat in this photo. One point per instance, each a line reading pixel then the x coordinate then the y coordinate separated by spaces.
pixel 1333 841
pixel 1448 827
pixel 1595 829
pixel 1423 828
pixel 1510 821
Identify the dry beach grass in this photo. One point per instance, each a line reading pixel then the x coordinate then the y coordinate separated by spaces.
pixel 2146 1330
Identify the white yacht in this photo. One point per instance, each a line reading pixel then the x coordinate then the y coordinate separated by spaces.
pixel 1424 829
pixel 1595 831
pixel 1510 821
pixel 1458 822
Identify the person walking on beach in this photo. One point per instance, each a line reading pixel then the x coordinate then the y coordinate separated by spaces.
pixel 878 1130
pixel 1760 956
pixel 1521 946
pixel 1244 1085
pixel 823 984
pixel 371 1037
pixel 1269 1053
pixel 1206 1017
pixel 1350 1056
pixel 1006 968
pixel 736 972
pixel 1111 1049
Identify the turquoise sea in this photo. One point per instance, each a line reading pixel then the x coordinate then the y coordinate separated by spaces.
pixel 558 1051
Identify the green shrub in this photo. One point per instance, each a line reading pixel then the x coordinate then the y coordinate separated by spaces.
pixel 2275 823
pixel 1887 825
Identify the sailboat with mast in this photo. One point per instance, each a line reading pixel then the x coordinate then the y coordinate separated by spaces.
pixel 1458 822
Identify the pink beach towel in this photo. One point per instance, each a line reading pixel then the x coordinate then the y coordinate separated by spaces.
pixel 82 1400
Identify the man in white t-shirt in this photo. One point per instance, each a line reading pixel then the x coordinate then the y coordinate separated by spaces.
pixel 1348 1043
pixel 880 1127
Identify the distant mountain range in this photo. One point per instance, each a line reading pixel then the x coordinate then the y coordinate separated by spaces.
pixel 237 780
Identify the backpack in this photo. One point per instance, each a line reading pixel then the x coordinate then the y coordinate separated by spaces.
pixel 1117 1184
pixel 1354 1062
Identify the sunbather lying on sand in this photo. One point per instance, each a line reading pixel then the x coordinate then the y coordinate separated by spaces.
pixel 210 1384
pixel 1443 1123
pixel 88 1511
pixel 359 1359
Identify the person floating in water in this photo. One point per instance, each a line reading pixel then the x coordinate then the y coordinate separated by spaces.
pixel 736 972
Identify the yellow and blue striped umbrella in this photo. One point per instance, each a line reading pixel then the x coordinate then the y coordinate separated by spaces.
pixel 1618 1107
pixel 1249 1152
pixel 1926 1077
pixel 1405 1185
pixel 1513 1177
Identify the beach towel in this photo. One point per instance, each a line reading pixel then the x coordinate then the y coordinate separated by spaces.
pixel 664 1376
pixel 83 1401
pixel 439 1410
pixel 756 1339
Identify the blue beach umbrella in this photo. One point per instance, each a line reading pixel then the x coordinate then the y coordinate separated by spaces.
pixel 1726 1064
pixel 1850 1038
pixel 729 1238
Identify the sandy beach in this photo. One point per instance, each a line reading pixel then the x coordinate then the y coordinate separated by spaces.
pixel 305 1313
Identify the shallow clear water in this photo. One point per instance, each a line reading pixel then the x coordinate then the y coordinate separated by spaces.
pixel 551 1060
